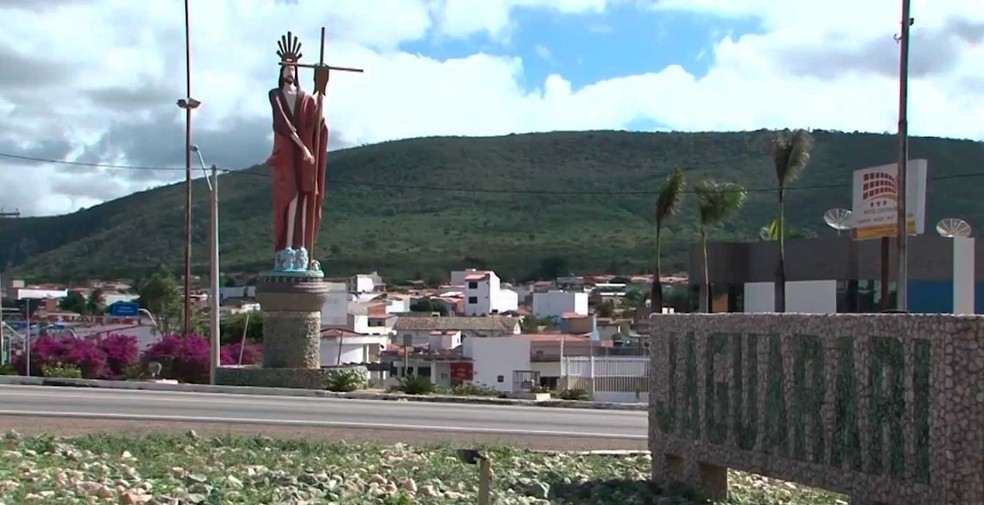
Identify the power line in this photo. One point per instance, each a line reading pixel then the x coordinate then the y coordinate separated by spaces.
pixel 468 189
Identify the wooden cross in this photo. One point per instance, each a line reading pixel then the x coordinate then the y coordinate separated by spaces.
pixel 321 72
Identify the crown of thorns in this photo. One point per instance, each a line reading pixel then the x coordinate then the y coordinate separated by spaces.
pixel 289 48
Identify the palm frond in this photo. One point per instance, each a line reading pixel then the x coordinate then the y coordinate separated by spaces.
pixel 670 196
pixel 790 154
pixel 717 201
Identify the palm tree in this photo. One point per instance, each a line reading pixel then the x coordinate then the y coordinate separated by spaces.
pixel 96 304
pixel 667 204
pixel 790 154
pixel 716 202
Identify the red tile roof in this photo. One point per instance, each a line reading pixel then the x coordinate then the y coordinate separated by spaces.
pixel 476 276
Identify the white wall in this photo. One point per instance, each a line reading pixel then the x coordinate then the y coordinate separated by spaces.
pixel 397 305
pixel 355 349
pixel 507 300
pixel 557 303
pixel 335 310
pixel 478 300
pixel 363 284
pixel 810 297
pixel 498 357
pixel 448 340
pixel 963 276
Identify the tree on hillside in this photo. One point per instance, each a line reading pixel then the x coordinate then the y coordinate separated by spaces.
pixel 667 203
pixel 73 302
pixel 96 303
pixel 716 203
pixel 160 294
pixel 790 155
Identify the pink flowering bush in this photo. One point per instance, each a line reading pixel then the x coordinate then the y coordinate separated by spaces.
pixel 252 353
pixel 187 358
pixel 122 352
pixel 83 353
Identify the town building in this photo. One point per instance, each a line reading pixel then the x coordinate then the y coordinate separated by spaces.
pixel 554 304
pixel 484 293
pixel 837 274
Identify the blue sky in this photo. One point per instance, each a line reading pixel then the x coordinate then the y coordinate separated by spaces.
pixel 591 47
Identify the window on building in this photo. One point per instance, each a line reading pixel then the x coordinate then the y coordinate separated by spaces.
pixel 472 300
pixel 500 379
pixel 473 285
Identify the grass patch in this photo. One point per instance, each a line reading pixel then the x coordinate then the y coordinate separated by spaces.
pixel 167 469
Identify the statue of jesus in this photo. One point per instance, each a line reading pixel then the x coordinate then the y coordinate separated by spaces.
pixel 298 163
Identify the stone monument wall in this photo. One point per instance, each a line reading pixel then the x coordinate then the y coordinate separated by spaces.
pixel 886 408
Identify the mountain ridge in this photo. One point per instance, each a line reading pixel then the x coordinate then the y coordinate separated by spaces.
pixel 519 204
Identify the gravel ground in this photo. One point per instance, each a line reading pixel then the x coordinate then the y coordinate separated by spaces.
pixel 71 427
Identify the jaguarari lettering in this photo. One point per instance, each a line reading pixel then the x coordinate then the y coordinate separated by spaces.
pixel 730 399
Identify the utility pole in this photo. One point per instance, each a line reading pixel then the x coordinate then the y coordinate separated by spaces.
pixel 902 239
pixel 188 104
pixel 213 254
pixel 213 296
pixel 3 215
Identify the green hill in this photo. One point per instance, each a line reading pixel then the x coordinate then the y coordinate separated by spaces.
pixel 426 206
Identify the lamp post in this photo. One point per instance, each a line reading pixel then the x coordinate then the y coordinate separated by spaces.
pixel 213 247
pixel 902 263
pixel 187 104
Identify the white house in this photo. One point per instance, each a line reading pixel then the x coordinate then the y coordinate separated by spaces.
pixel 418 329
pixel 484 294
pixel 366 283
pixel 369 319
pixel 557 303
pixel 341 347
pixel 334 313
pixel 495 359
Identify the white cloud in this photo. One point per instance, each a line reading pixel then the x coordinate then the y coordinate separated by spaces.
pixel 112 70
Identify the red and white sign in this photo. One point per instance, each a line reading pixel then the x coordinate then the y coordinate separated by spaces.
pixel 461 371
pixel 875 199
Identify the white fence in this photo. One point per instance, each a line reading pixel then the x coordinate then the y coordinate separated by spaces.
pixel 616 379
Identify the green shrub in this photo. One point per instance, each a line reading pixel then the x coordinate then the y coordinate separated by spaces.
pixel 474 390
pixel 346 380
pixel 8 369
pixel 61 370
pixel 574 394
pixel 414 385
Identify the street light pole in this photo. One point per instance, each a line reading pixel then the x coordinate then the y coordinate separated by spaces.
pixel 902 238
pixel 213 297
pixel 188 104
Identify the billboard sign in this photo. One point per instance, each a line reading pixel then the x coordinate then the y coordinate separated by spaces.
pixel 875 197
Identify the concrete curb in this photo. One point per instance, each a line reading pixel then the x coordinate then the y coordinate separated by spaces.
pixel 310 393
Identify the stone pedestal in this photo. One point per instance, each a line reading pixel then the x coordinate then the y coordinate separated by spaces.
pixel 291 304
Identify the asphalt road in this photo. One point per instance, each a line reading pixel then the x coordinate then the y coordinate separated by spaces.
pixel 159 406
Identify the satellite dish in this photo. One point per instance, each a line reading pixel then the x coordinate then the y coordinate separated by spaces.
pixel 952 227
pixel 838 219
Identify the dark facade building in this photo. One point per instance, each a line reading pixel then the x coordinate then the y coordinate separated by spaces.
pixel 945 275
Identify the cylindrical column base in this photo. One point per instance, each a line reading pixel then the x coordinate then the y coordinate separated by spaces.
pixel 291 304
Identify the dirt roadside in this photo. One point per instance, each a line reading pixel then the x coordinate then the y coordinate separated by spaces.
pixel 74 427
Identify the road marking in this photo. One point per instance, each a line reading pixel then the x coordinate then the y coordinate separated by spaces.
pixel 322 424
pixel 236 398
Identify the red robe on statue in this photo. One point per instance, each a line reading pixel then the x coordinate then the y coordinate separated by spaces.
pixel 298 186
